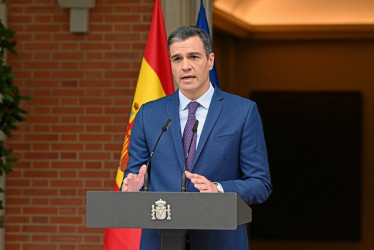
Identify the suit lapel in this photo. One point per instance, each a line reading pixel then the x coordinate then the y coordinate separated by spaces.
pixel 172 109
pixel 213 113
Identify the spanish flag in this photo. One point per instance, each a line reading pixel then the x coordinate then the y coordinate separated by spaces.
pixel 154 81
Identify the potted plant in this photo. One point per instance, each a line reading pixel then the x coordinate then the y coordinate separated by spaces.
pixel 10 111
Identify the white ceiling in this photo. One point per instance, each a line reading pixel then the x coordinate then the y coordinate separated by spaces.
pixel 296 12
pixel 246 17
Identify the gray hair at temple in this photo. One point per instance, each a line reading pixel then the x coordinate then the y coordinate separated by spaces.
pixel 185 32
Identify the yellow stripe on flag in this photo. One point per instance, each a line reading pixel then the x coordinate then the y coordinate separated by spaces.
pixel 119 177
pixel 146 92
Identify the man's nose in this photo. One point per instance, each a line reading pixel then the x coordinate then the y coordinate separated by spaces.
pixel 186 65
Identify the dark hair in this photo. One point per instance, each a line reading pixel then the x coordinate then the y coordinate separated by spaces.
pixel 184 32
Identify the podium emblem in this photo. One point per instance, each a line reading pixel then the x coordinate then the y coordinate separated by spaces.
pixel 161 211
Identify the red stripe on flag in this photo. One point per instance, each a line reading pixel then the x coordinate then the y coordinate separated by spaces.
pixel 156 52
pixel 122 239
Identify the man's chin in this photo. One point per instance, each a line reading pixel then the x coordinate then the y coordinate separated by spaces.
pixel 187 88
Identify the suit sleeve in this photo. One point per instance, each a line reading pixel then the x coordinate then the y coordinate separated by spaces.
pixel 254 186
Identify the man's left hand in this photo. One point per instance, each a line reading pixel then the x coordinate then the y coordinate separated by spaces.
pixel 202 183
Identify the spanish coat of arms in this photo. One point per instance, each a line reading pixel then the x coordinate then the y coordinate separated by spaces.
pixel 161 211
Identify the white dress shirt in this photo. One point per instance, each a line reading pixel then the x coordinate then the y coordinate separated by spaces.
pixel 201 112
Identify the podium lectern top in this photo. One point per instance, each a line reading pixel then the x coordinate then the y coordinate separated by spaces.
pixel 166 210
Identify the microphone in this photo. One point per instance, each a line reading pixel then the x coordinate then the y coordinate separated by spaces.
pixel 194 130
pixel 146 175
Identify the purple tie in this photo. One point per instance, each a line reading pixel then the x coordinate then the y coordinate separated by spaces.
pixel 187 134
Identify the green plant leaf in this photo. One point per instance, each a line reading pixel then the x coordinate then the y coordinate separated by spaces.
pixel 11 159
pixel 8 151
pixel 7 170
pixel 10 100
pixel 8 97
pixel 26 98
pixel 7 132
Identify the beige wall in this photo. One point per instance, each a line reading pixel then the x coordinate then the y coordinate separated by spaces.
pixel 244 66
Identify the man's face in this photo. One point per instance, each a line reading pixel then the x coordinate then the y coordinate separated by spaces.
pixel 190 66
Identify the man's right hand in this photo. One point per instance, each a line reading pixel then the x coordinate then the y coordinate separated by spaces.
pixel 134 182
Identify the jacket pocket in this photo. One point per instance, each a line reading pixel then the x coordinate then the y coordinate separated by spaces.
pixel 228 137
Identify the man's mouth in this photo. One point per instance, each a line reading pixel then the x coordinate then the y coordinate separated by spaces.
pixel 188 77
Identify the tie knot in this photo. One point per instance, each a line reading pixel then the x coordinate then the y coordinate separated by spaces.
pixel 192 106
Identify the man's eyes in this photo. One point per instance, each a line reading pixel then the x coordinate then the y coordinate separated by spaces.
pixel 177 59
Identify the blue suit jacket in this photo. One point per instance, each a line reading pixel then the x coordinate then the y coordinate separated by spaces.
pixel 231 151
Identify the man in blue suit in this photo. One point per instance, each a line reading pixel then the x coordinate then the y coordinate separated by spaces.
pixel 230 147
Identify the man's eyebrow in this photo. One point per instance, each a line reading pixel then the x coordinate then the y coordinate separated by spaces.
pixel 189 54
pixel 174 56
pixel 194 53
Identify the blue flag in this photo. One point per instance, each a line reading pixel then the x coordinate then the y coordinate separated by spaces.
pixel 202 22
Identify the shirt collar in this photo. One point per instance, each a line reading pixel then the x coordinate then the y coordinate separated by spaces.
pixel 204 100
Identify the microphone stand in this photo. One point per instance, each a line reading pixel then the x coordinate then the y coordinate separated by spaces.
pixel 146 175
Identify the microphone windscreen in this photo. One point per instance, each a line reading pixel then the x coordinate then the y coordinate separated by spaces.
pixel 194 128
pixel 166 126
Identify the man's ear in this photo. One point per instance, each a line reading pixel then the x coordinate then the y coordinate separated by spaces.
pixel 211 60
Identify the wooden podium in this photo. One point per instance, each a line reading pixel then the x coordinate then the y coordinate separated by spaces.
pixel 171 213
